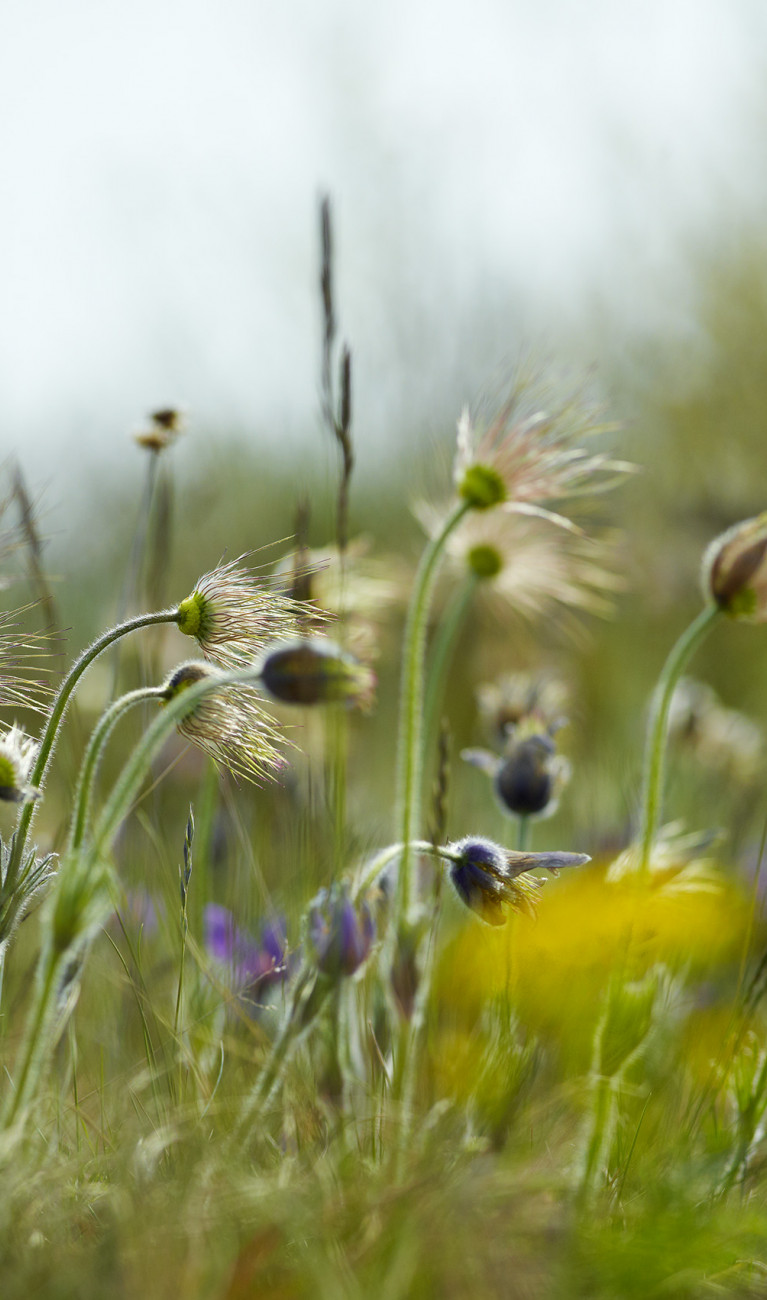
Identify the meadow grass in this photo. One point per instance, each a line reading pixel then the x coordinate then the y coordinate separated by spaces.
pixel 287 1007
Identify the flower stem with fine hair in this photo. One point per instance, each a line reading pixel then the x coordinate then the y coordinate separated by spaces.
pixel 409 747
pixel 58 710
pixel 655 747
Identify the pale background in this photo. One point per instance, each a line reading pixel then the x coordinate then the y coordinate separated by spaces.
pixel 500 172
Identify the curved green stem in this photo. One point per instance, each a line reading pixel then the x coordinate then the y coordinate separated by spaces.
pixel 57 713
pixel 409 756
pixel 655 747
pixel 94 752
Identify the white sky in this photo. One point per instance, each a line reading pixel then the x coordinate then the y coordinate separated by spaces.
pixel 160 163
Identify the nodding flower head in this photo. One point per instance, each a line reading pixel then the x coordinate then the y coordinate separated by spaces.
pixel 492 881
pixel 17 758
pixel 234 613
pixel 340 932
pixel 528 778
pixel 228 723
pixel 735 570
pixel 315 671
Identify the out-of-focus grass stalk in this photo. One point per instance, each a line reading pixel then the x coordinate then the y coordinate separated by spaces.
pixel 184 877
pixel 94 752
pixel 411 708
pixel 655 746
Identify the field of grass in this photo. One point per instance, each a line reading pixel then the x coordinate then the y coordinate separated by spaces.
pixel 384 917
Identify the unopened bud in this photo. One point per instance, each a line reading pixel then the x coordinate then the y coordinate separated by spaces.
pixel 735 570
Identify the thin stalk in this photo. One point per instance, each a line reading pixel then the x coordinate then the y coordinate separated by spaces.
pixel 524 832
pixel 36 1043
pixel 56 715
pixel 655 747
pixel 408 1069
pixel 92 761
pixel 599 1136
pixel 409 755
pixel 442 650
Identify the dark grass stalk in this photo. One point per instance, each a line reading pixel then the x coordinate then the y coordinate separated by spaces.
pixel 185 875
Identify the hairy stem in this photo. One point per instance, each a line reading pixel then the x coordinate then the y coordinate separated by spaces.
pixel 655 747
pixel 57 712
pixel 409 755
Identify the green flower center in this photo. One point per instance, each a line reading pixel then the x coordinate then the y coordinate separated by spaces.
pixel 484 561
pixel 190 615
pixel 742 604
pixel 482 486
pixel 9 776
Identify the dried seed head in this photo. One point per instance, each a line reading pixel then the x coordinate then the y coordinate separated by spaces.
pixel 234 613
pixel 525 456
pixel 163 428
pixel 17 758
pixel 492 881
pixel 229 724
pixel 340 932
pixel 735 570
pixel 315 671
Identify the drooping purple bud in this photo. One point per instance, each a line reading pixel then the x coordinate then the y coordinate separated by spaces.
pixel 340 932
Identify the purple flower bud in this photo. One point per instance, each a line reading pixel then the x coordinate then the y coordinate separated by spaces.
pixel 340 932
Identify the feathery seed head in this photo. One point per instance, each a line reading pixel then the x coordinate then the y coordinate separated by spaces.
pixel 735 570
pixel 229 724
pixel 17 757
pixel 315 671
pixel 234 613
pixel 492 880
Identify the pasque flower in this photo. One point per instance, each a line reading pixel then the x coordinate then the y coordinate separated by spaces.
pixel 523 455
pixel 17 757
pixel 234 613
pixel 735 570
pixel 229 724
pixel 492 880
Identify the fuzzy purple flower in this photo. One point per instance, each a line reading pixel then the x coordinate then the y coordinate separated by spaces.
pixel 340 932
pixel 255 966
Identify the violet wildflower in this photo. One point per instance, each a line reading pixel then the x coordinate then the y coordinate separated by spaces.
pixel 528 778
pixel 340 932
pixel 255 965
pixel 492 880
